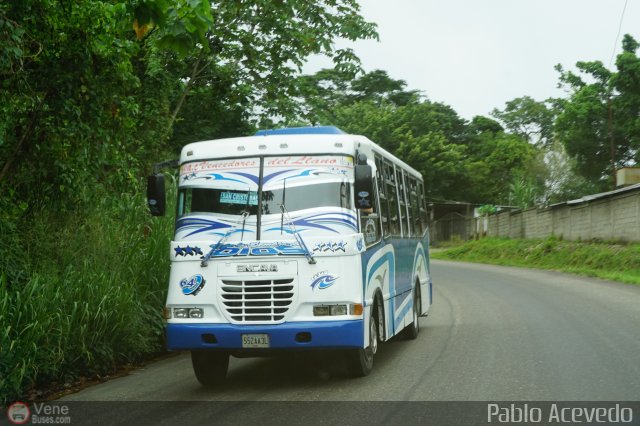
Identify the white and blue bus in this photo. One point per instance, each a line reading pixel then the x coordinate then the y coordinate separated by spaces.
pixel 293 239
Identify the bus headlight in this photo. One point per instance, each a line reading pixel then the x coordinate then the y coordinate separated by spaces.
pixel 188 312
pixel 181 312
pixel 329 310
pixel 196 313
pixel 339 310
pixel 321 311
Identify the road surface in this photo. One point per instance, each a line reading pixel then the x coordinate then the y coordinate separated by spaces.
pixel 494 333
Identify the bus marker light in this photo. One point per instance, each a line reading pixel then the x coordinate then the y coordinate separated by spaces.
pixel 356 309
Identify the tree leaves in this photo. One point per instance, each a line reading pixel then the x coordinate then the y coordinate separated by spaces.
pixel 90 90
pixel 598 124
pixel 461 161
pixel 528 119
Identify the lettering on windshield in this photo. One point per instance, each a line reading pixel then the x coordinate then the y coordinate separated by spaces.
pixel 202 166
pixel 228 197
pixel 306 160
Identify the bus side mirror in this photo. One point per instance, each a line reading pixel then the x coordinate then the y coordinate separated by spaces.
pixel 155 194
pixel 364 186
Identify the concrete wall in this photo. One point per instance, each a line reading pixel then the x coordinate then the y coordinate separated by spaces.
pixel 614 217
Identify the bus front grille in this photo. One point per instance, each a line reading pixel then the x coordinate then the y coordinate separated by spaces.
pixel 257 300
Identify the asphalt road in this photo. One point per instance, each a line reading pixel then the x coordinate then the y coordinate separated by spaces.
pixel 494 333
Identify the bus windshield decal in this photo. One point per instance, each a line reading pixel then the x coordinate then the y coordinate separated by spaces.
pixel 257 249
pixel 233 197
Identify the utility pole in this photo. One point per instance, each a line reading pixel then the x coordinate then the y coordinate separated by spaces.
pixel 612 144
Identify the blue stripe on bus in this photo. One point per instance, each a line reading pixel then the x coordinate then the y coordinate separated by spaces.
pixel 387 258
pixel 404 312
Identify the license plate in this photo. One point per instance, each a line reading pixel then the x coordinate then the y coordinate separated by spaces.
pixel 255 340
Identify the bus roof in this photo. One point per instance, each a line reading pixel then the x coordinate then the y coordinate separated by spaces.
pixel 310 130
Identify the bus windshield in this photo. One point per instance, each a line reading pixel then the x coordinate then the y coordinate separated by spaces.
pixel 234 202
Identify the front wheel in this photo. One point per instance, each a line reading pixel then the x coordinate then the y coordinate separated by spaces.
pixel 360 361
pixel 210 367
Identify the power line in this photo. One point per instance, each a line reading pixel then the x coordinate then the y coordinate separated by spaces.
pixel 615 45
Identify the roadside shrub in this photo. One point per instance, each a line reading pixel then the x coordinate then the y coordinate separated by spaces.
pixel 604 260
pixel 81 293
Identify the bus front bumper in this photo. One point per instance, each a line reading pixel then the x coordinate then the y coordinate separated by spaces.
pixel 288 335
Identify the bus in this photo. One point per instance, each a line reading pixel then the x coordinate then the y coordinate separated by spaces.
pixel 293 239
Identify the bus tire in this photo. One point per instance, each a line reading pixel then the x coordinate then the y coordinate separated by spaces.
pixel 210 367
pixel 412 330
pixel 360 361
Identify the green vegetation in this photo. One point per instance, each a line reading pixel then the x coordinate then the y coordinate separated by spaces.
pixel 595 259
pixel 472 161
pixel 530 153
pixel 92 93
pixel 81 294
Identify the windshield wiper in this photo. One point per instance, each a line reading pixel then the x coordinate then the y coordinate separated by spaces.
pixel 290 224
pixel 244 216
pixel 214 248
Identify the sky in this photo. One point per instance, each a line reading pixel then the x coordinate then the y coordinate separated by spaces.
pixel 475 55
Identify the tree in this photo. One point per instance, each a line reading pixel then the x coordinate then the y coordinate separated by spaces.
pixel 468 162
pixel 498 161
pixel 377 87
pixel 598 124
pixel 528 119
pixel 319 95
pixel 561 180
pixel 583 126
pixel 263 45
pixel 91 90
pixel 439 161
pixel 480 124
pixel 68 101
pixel 626 105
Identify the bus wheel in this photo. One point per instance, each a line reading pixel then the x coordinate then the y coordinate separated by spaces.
pixel 210 367
pixel 412 330
pixel 360 361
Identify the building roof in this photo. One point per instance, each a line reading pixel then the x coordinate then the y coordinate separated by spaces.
pixel 601 195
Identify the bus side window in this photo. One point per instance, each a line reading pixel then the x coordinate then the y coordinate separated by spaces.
pixel 423 206
pixel 416 226
pixel 370 221
pixel 382 195
pixel 394 217
pixel 402 203
pixel 407 194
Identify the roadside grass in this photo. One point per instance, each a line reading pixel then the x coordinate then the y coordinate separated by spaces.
pixel 607 260
pixel 81 294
